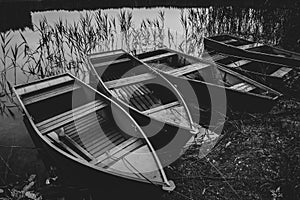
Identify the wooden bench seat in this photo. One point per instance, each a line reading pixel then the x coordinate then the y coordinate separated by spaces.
pixel 281 72
pixel 111 62
pixel 60 120
pixel 129 80
pixel 43 95
pixel 244 87
pixel 228 41
pixel 188 69
pixel 42 85
pixel 158 57
pixel 104 54
pixel 238 63
pixel 250 46
pixel 162 107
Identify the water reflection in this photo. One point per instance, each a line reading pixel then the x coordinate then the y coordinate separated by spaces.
pixel 18 154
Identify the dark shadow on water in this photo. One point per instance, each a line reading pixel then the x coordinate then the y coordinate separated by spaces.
pixel 17 15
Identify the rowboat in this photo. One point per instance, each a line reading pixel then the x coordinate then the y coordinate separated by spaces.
pixel 91 137
pixel 153 102
pixel 279 77
pixel 254 50
pixel 209 80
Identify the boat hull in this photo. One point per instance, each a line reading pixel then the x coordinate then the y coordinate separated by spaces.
pixel 250 54
pixel 281 84
pixel 212 95
pixel 235 100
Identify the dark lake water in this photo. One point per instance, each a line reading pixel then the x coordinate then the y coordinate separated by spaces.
pixel 18 156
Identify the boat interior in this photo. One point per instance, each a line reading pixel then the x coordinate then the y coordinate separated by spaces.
pixel 247 65
pixel 137 86
pixel 84 127
pixel 179 65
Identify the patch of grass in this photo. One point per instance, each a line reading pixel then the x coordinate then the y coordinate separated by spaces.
pixel 258 158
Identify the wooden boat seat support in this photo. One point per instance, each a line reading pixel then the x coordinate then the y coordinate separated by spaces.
pixel 129 80
pixel 158 57
pixel 60 120
pixel 188 69
pixel 162 107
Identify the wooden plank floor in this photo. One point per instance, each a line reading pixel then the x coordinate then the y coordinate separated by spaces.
pixel 94 134
pixel 135 93
pixel 142 98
